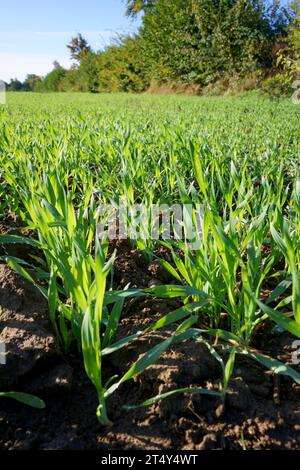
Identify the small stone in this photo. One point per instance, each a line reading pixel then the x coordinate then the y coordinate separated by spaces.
pixel 220 411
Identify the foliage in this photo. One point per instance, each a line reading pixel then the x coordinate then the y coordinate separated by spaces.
pixel 278 86
pixel 288 56
pixel 32 82
pixel 52 81
pixel 15 85
pixel 79 48
pixel 199 41
pixel 134 7
pixel 237 158
pixel 294 30
pixel 88 73
pixel 121 67
pixel 24 398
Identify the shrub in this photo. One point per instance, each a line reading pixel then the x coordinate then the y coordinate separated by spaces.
pixel 277 86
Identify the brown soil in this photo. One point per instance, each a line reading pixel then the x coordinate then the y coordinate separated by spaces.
pixel 260 413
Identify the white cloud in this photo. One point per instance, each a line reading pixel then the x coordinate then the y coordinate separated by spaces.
pixel 16 65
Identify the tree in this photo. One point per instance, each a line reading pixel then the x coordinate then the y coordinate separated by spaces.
pixel 89 73
pixel 72 80
pixel 32 82
pixel 134 7
pixel 294 30
pixel 53 80
pixel 202 40
pixel 79 48
pixel 15 85
pixel 122 66
pixel 289 54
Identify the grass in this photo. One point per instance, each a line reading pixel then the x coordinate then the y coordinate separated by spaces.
pixel 61 156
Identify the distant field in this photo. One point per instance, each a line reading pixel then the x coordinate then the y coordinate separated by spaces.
pixel 132 309
pixel 83 129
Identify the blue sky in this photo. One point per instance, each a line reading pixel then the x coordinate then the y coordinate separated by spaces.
pixel 34 33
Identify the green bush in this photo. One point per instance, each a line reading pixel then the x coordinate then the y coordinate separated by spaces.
pixel 277 86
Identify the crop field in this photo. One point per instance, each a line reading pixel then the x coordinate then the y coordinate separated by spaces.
pixel 184 333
